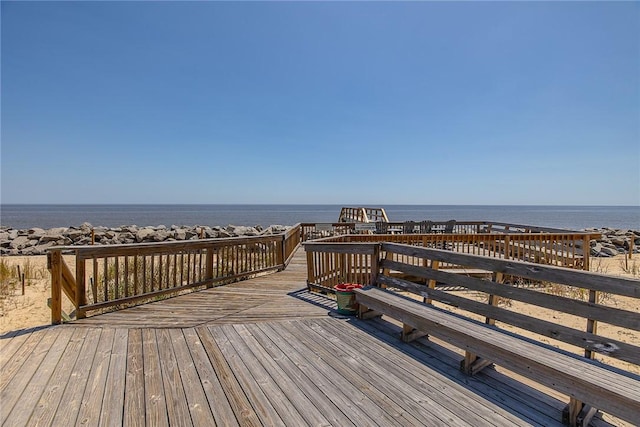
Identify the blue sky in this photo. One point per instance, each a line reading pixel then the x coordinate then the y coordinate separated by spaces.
pixel 296 102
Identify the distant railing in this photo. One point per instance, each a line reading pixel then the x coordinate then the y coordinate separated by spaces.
pixel 362 214
pixel 122 275
pixel 311 231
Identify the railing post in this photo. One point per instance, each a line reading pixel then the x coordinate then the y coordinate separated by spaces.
pixel 81 291
pixel 54 261
pixel 507 251
pixel 281 254
pixel 209 267
pixel 586 253
pixel 375 263
pixel 310 270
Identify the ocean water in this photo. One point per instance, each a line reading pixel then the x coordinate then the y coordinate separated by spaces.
pixel 569 217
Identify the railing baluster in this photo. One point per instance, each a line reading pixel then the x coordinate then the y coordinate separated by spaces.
pixel 116 271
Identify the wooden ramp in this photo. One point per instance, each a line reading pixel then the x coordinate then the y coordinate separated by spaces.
pixel 260 352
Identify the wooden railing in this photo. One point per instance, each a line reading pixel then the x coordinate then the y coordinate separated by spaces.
pixel 563 250
pixel 122 275
pixel 312 231
pixel 551 289
pixel 362 214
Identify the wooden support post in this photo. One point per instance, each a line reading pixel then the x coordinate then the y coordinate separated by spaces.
pixel 586 253
pixel 21 277
pixel 375 264
pixel 81 291
pixel 631 243
pixel 389 257
pixel 467 362
pixel 280 255
pixel 310 275
pixel 93 236
pixel 409 333
pixel 592 325
pixel 431 283
pixel 364 313
pixel 54 259
pixel 571 412
pixel 209 267
pixel 493 299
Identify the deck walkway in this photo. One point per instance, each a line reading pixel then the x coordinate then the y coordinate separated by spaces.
pixel 259 352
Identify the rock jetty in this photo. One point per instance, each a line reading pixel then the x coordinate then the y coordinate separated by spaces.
pixel 36 241
pixel 614 242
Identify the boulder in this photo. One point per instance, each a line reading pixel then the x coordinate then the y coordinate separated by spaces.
pixel 36 233
pixel 144 234
pixel 52 235
pixel 19 242
pixel 74 234
pixel 609 251
pixel 161 235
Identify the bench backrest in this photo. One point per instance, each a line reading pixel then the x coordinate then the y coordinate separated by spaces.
pixel 546 291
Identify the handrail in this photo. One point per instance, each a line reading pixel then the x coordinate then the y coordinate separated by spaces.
pixel 312 231
pixel 558 290
pixel 564 250
pixel 108 276
pixel 362 214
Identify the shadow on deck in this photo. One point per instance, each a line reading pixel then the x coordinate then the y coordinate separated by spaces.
pixel 260 352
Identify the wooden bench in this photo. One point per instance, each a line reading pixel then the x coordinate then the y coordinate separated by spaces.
pixel 590 384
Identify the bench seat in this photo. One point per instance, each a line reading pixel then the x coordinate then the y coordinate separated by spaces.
pixel 614 391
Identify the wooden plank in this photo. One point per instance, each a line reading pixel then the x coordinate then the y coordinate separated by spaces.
pixel 12 364
pixel 460 400
pixel 453 408
pixel 259 401
pixel 134 396
pixel 267 380
pixel 11 343
pixel 214 393
pixel 499 393
pixel 604 345
pixel 22 393
pixel 52 394
pixel 177 406
pixel 113 401
pixel 155 401
pixel 594 281
pixel 74 393
pixel 239 402
pixel 91 405
pixel 200 412
pixel 348 377
pixel 590 309
pixel 611 391
pixel 309 381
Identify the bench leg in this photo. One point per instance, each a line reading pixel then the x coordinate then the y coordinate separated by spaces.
pixel 472 364
pixel 364 313
pixel 577 414
pixel 409 333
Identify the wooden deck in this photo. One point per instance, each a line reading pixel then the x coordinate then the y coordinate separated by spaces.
pixel 259 352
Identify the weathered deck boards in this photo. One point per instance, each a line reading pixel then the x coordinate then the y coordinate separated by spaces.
pixel 274 358
pixel 269 297
pixel 316 371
